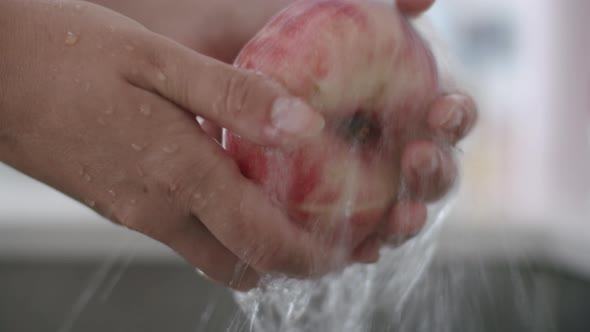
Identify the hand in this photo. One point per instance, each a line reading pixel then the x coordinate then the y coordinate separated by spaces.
pixel 429 169
pixel 414 7
pixel 103 110
pixel 428 165
pixel 217 28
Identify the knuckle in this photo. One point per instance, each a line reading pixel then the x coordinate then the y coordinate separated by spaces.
pixel 238 91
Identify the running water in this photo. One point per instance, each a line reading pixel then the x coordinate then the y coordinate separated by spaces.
pixel 353 300
pixel 348 301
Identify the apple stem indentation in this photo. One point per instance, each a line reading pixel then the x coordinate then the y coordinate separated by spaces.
pixel 360 129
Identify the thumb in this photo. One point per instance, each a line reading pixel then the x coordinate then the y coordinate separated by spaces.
pixel 246 103
pixel 414 7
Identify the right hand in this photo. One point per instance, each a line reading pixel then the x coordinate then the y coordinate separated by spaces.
pixel 100 108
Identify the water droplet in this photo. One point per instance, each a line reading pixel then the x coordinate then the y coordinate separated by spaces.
pixel 129 47
pixel 132 202
pixel 99 46
pixel 89 202
pixel 71 39
pixel 87 86
pixel 136 147
pixel 170 148
pixel 140 170
pixel 109 110
pixel 161 76
pixel 102 121
pixel 78 7
pixel 87 177
pixel 77 80
pixel 200 201
pixel 112 192
pixel 259 73
pixel 172 188
pixel 145 110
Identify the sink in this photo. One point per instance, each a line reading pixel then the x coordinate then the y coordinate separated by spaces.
pixel 122 294
pixel 65 269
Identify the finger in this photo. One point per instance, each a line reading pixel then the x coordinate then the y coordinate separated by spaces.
pixel 428 171
pixel 414 7
pixel 210 128
pixel 368 251
pixel 242 218
pixel 248 104
pixel 407 218
pixel 215 262
pixel 452 117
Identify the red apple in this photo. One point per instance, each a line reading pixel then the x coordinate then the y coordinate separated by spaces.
pixel 361 64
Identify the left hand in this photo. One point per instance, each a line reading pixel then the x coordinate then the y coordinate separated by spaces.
pixel 220 28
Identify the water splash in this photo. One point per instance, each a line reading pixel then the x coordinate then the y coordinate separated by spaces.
pixel 348 301
pixel 87 294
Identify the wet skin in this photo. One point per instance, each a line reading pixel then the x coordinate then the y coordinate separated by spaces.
pixel 101 108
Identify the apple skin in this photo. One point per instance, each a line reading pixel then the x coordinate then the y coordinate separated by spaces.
pixel 362 65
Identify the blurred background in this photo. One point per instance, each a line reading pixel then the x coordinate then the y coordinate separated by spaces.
pixel 517 237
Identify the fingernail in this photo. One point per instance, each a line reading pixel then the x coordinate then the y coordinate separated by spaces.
pixel 426 164
pixel 293 116
pixel 452 119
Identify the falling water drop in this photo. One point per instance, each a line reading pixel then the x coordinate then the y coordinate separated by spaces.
pixel 145 110
pixel 132 202
pixel 109 110
pixel 112 193
pixel 71 38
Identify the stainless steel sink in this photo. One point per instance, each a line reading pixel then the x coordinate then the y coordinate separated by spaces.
pixel 106 294
pixel 64 269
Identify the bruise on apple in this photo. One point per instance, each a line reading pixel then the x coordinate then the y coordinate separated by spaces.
pixel 362 65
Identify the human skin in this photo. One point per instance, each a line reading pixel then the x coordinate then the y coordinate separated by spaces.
pixel 151 168
pixel 100 108
pixel 428 167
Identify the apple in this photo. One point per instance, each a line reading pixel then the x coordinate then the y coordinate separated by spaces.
pixel 363 66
